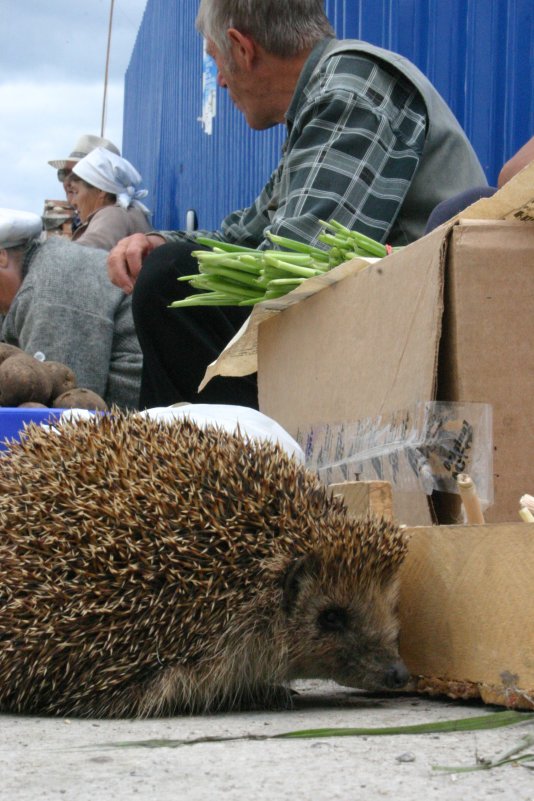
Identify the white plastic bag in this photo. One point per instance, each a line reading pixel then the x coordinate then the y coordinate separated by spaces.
pixel 251 423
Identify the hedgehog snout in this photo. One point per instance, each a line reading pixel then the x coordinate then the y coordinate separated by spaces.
pixel 396 676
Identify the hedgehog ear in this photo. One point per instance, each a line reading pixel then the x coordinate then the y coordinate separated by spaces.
pixel 295 571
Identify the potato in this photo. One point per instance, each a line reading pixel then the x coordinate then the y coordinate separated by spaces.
pixel 80 398
pixel 22 379
pixel 63 378
pixel 7 350
pixel 32 405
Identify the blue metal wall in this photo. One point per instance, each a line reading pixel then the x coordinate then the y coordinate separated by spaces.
pixel 478 53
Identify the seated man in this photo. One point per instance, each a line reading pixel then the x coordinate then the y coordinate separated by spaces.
pixel 57 299
pixel 370 143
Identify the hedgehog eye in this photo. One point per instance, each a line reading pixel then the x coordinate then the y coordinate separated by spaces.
pixel 334 618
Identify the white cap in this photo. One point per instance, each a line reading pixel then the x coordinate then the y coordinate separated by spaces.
pixel 18 227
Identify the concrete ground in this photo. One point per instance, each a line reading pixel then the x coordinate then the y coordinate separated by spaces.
pixel 83 760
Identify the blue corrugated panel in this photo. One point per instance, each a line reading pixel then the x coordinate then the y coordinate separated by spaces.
pixel 478 53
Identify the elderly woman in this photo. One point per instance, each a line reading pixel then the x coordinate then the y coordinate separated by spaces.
pixel 106 197
pixel 57 299
pixel 83 146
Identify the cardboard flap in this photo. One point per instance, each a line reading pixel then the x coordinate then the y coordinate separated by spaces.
pixel 240 356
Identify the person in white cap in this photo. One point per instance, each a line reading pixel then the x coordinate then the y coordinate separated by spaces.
pixel 83 146
pixel 57 300
pixel 106 195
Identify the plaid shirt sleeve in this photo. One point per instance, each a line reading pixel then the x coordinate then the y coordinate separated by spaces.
pixel 352 149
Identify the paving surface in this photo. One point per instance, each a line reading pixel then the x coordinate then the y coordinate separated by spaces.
pixel 83 760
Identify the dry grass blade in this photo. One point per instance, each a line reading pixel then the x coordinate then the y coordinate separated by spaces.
pixel 513 756
pixel 491 721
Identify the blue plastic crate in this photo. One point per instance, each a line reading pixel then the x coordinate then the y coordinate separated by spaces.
pixel 13 420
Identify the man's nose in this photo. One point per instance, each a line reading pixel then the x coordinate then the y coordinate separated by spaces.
pixel 221 81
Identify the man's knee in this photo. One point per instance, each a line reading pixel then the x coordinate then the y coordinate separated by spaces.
pixel 158 280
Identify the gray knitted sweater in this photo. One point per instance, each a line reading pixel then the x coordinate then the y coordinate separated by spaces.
pixel 68 309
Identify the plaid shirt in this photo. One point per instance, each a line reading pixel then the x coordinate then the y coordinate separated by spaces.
pixel 356 131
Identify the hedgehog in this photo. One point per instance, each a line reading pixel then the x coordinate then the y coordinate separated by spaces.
pixel 150 569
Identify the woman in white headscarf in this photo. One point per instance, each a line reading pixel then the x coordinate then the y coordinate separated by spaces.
pixel 107 199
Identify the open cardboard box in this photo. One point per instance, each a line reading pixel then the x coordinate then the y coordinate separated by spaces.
pixel 449 317
pixel 467 612
pixel 466 604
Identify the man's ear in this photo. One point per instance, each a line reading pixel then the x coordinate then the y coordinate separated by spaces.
pixel 294 574
pixel 3 258
pixel 244 48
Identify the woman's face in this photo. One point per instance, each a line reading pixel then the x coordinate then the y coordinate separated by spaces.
pixel 86 198
pixel 64 174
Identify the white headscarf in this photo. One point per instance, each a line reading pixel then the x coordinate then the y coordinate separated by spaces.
pixel 113 174
pixel 19 227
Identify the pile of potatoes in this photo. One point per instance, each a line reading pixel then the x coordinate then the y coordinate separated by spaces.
pixel 27 382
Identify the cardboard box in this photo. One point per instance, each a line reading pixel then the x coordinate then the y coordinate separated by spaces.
pixel 486 354
pixel 466 604
pixel 449 317
pixel 467 612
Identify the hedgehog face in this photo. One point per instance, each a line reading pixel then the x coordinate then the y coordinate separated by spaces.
pixel 343 630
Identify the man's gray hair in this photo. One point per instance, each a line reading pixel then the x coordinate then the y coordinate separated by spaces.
pixel 282 27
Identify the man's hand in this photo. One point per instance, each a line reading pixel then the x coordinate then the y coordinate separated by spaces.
pixel 126 259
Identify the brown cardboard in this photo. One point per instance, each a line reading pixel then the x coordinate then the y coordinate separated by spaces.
pixel 467 611
pixel 369 345
pixel 366 346
pixel 486 352
pixel 364 498
pixel 466 603
pixel 240 356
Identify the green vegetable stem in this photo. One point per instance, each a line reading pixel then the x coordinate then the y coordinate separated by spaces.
pixel 233 275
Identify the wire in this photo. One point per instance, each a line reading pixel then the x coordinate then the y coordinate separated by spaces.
pixel 104 102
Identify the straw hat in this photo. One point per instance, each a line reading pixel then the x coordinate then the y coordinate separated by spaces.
pixel 83 146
